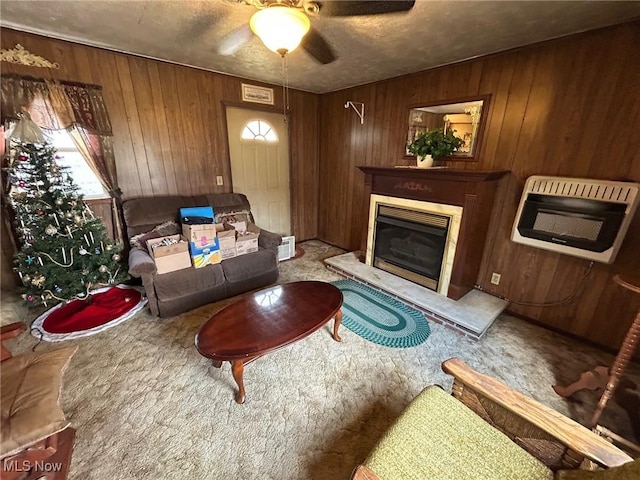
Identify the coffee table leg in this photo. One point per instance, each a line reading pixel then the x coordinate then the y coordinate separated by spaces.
pixel 237 368
pixel 217 363
pixel 336 326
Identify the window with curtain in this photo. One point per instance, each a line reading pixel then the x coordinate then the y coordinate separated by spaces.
pixel 70 156
pixel 78 110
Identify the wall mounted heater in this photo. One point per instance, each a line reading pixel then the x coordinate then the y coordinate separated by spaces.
pixel 574 216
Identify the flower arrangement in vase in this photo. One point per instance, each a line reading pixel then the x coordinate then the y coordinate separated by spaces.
pixel 433 145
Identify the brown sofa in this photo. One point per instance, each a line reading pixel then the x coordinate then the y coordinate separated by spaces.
pixel 176 292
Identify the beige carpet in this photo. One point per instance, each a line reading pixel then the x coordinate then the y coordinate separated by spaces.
pixel 146 405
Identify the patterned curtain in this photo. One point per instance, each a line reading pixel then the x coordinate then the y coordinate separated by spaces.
pixel 55 105
pixel 76 107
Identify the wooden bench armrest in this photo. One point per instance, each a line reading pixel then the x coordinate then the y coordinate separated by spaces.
pixel 7 332
pixel 568 432
pixel 12 330
pixel 364 473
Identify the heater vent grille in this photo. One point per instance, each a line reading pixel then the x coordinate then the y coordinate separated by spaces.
pixel 414 216
pixel 585 218
pixel 594 190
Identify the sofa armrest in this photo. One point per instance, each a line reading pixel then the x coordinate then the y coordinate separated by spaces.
pixel 141 263
pixel 518 413
pixel 269 240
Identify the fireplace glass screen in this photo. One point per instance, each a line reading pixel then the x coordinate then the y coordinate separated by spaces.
pixel 410 244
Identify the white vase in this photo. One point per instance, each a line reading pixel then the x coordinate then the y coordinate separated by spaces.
pixel 425 162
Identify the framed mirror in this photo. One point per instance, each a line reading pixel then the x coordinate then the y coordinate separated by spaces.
pixel 465 117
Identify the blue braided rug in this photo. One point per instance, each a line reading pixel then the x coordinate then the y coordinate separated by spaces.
pixel 380 318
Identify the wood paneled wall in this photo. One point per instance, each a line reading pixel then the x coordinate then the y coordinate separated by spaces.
pixel 169 122
pixel 567 107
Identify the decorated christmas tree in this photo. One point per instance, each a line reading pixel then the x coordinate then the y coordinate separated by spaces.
pixel 65 252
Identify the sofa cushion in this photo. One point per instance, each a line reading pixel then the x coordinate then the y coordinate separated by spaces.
pixel 31 385
pixel 143 214
pixel 162 230
pixel 187 281
pixel 239 269
pixel 439 438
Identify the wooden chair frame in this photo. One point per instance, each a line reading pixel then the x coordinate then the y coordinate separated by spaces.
pixel 555 440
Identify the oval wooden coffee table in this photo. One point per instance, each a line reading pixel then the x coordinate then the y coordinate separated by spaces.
pixel 264 321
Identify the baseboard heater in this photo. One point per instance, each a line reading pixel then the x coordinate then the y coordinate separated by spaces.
pixel 579 217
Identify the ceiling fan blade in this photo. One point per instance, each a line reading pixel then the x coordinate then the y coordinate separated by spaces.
pixel 234 40
pixel 341 8
pixel 316 46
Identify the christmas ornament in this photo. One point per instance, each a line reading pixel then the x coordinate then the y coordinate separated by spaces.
pixel 77 219
pixel 50 230
pixel 116 257
pixel 24 296
pixel 30 298
pixel 38 280
pixel 26 279
pixel 85 271
pixel 22 156
pixel 103 269
pixel 82 251
pixel 40 212
pixel 30 259
pixel 59 201
pixel 57 289
pixel 68 214
pixel 109 248
pixel 97 251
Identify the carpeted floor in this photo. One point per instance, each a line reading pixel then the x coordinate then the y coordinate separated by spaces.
pixel 146 405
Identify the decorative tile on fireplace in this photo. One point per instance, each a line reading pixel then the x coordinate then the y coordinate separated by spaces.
pixel 471 315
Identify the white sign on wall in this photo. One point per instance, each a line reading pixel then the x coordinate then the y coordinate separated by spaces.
pixel 255 94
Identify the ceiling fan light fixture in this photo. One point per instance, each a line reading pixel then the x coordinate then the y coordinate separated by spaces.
pixel 280 28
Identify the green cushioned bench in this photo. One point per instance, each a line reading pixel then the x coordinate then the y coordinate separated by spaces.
pixel 487 431
pixel 439 438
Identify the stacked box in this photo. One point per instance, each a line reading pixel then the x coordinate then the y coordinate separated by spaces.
pixel 227 239
pixel 247 242
pixel 169 258
pixel 203 242
pixel 202 234
pixel 207 254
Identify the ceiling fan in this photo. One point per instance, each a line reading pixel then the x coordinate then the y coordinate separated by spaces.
pixel 283 25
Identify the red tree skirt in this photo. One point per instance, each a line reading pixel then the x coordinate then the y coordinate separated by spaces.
pixel 105 308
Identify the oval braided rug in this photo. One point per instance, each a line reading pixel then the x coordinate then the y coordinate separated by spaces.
pixel 379 318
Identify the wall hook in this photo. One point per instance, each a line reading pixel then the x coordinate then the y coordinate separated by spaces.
pixel 359 111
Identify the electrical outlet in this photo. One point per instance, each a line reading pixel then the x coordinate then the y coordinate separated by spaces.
pixel 219 180
pixel 495 278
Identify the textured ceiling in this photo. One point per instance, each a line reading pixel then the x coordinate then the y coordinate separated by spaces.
pixel 369 48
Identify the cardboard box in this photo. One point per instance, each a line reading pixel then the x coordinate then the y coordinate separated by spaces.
pixel 203 255
pixel 248 242
pixel 201 234
pixel 239 226
pixel 227 239
pixel 169 258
